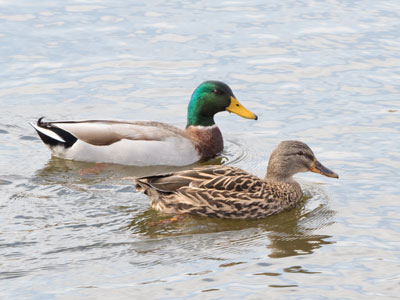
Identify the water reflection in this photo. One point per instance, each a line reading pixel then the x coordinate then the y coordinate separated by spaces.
pixel 287 234
pixel 62 171
pixel 296 237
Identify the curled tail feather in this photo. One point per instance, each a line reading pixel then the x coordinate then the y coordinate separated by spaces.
pixel 52 135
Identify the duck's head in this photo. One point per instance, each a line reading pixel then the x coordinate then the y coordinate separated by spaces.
pixel 211 97
pixel 291 157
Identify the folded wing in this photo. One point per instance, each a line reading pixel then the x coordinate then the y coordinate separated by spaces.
pixel 101 133
pixel 221 178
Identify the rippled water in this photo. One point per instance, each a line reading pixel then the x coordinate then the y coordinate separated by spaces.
pixel 324 72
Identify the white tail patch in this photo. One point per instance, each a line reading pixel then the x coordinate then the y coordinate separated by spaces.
pixel 48 132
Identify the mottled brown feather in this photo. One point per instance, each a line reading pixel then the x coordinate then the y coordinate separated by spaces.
pixel 218 191
pixel 228 192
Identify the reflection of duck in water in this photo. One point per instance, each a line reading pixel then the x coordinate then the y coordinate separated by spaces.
pixel 62 171
pixel 146 143
pixel 228 192
pixel 291 233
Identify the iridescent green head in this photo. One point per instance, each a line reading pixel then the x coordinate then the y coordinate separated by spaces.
pixel 211 97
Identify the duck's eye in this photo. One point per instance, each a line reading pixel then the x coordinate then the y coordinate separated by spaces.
pixel 218 92
pixel 300 153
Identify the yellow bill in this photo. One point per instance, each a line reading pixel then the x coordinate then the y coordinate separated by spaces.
pixel 237 108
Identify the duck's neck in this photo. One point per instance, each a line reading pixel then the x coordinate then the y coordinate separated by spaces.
pixel 276 178
pixel 288 182
pixel 196 119
pixel 208 140
pixel 200 112
pixel 279 170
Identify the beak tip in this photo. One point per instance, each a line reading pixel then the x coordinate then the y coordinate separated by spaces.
pixel 331 175
pixel 321 169
pixel 255 117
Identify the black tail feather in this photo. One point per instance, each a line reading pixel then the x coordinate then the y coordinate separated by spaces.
pixel 64 135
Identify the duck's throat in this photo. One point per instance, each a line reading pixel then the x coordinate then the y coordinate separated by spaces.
pixel 196 119
pixel 208 140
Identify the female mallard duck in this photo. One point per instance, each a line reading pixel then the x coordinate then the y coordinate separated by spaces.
pixel 145 143
pixel 228 192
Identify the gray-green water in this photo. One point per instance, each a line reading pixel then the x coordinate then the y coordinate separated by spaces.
pixel 324 72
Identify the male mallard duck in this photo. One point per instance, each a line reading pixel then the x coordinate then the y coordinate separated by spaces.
pixel 228 192
pixel 145 143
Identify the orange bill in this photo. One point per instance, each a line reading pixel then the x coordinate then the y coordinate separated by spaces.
pixel 321 169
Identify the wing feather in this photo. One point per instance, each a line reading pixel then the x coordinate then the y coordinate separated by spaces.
pixel 102 133
pixel 222 178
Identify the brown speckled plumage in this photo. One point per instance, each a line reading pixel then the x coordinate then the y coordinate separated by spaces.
pixel 229 192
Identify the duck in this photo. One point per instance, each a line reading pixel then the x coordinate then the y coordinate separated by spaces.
pixel 147 143
pixel 228 192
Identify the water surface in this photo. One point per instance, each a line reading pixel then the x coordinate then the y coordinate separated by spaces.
pixel 324 72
